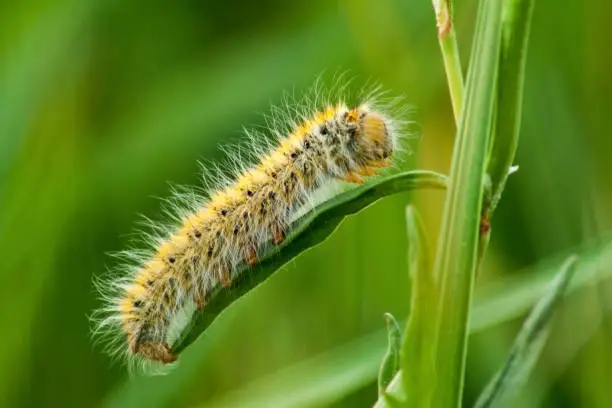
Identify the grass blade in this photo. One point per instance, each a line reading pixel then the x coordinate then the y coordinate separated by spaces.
pixel 312 229
pixel 418 358
pixel 516 21
pixel 456 256
pixel 391 361
pixel 528 344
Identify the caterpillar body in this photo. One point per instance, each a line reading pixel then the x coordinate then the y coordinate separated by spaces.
pixel 232 226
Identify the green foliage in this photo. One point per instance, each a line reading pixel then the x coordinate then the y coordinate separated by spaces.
pixel 418 358
pixel 516 23
pixel 391 360
pixel 528 345
pixel 103 103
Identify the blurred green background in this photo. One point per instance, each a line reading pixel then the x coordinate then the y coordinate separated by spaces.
pixel 102 103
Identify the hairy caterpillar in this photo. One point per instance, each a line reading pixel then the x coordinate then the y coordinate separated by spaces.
pixel 239 217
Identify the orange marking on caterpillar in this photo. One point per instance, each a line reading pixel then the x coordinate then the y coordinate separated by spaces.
pixel 252 257
pixel 199 301
pixel 366 171
pixel 353 178
pixel 381 163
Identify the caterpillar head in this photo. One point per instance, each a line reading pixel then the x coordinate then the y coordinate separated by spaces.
pixel 373 142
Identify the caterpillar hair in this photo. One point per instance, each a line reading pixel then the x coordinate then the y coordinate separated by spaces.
pixel 213 234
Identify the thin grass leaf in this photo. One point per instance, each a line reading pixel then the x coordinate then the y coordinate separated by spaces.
pixel 528 345
pixel 447 39
pixel 418 358
pixel 516 22
pixel 456 256
pixel 511 297
pixel 391 360
pixel 312 229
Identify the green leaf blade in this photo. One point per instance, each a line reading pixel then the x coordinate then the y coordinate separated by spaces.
pixel 418 354
pixel 516 23
pixel 391 361
pixel 528 344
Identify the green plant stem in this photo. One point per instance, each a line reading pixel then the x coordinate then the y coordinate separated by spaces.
pixel 450 54
pixel 452 66
pixel 456 255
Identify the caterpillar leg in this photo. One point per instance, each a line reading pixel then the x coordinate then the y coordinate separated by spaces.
pixel 252 256
pixel 226 278
pixel 156 351
pixel 351 177
pixel 279 237
pixel 200 301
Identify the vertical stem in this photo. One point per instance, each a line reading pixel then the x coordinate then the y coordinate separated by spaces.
pixel 456 254
pixel 450 54
pixel 452 65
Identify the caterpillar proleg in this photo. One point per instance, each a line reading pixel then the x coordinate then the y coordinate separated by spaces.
pixel 238 217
